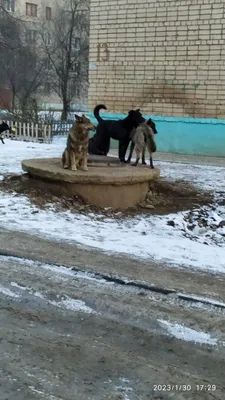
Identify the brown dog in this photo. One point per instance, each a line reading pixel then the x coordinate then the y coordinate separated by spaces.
pixel 76 151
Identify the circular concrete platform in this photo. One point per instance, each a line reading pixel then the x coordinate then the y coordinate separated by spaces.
pixel 119 188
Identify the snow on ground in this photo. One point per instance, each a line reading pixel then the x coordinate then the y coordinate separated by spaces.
pixel 13 152
pixel 203 225
pixel 72 304
pixel 64 301
pixel 205 177
pixel 146 237
pixel 8 292
pixel 187 334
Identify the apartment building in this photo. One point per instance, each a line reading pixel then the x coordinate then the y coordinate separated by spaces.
pixel 23 8
pixel 30 11
pixel 166 57
pixel 35 13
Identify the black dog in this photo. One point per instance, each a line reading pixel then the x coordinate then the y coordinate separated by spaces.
pixel 4 127
pixel 153 127
pixel 118 130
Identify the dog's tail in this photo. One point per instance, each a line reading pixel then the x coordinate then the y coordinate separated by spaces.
pixel 96 112
pixel 150 141
pixel 63 158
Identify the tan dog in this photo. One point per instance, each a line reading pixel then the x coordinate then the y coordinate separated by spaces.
pixel 76 151
pixel 142 137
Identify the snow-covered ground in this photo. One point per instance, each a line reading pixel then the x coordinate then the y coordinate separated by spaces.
pixel 186 243
pixel 189 335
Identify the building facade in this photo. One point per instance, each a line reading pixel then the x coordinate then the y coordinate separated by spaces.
pixel 165 57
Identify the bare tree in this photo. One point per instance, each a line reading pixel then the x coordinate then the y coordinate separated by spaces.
pixel 9 31
pixel 65 43
pixel 22 68
pixel 9 44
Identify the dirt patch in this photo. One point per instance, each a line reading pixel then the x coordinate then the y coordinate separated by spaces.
pixel 173 196
pixel 164 197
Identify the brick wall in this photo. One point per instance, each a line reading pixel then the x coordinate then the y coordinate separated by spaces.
pixel 166 57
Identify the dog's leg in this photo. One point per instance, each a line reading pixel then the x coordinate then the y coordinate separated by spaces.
pixel 65 159
pixel 136 162
pixel 131 152
pixel 143 150
pixel 123 145
pixel 125 148
pixel 138 153
pixel 143 156
pixel 2 140
pixel 151 161
pixel 73 161
pixel 84 166
pixel 120 152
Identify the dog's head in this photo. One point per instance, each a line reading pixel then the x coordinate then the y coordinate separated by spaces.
pixel 152 125
pixel 135 117
pixel 4 127
pixel 85 121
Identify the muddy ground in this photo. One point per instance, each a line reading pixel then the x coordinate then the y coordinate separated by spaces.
pixel 164 197
pixel 113 348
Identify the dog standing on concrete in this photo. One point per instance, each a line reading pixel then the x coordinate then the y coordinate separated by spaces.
pixel 118 130
pixel 142 137
pixel 76 151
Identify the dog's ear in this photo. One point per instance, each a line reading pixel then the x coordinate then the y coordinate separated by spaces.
pixel 78 118
pixel 138 110
pixel 84 118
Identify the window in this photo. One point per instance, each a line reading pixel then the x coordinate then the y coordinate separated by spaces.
pixel 76 44
pixel 31 36
pixel 75 67
pixel 48 39
pixel 47 88
pixel 48 13
pixel 77 91
pixel 74 88
pixel 9 5
pixel 31 10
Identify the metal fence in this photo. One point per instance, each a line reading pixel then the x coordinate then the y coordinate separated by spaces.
pixel 61 128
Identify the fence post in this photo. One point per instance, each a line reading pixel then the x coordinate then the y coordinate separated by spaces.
pixel 16 129
pixel 28 130
pixel 36 132
pixel 20 130
pixel 32 131
pixel 24 131
pixel 50 133
pixel 44 133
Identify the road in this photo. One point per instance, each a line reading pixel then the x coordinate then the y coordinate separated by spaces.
pixel 71 334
